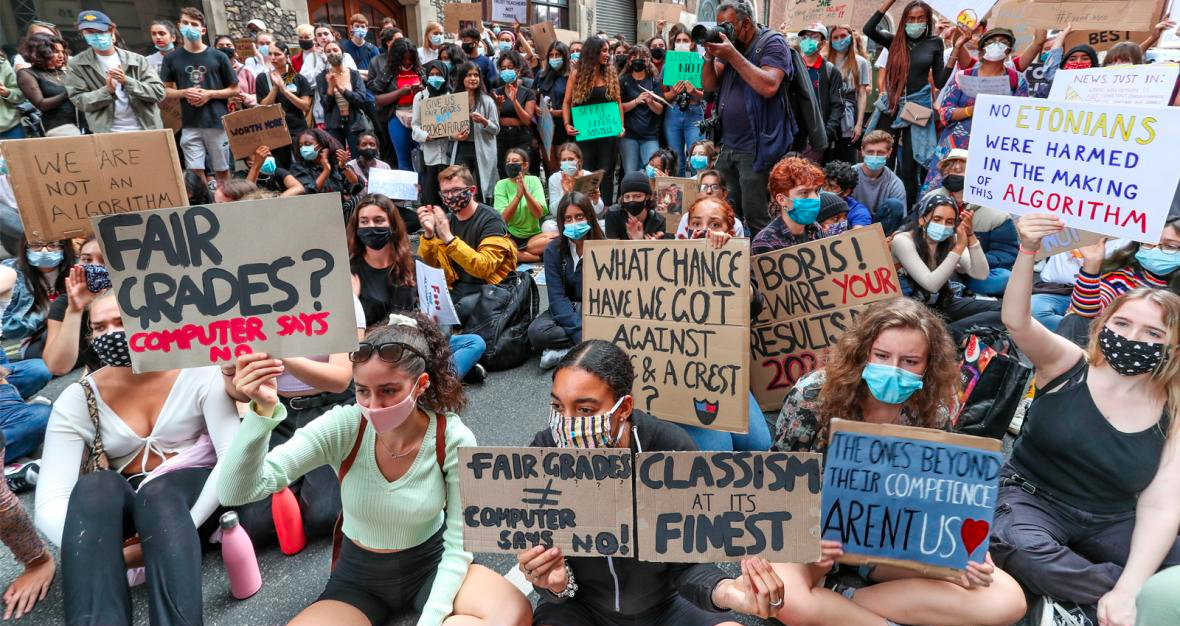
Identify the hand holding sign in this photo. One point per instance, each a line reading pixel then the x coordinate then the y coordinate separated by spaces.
pixel 255 376
pixel 544 568
pixel 1031 229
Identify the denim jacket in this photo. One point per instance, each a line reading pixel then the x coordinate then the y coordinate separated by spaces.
pixel 20 320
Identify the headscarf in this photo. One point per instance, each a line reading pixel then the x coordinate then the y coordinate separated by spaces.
pixel 1082 48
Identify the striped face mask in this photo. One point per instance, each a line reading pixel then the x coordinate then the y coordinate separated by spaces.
pixel 589 431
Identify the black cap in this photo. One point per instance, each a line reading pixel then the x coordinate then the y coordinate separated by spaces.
pixel 830 205
pixel 635 181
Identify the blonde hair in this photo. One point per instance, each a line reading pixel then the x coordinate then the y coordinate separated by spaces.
pixel 305 29
pixel 848 66
pixel 429 27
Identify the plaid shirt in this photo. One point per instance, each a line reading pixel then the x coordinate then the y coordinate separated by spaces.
pixel 777 236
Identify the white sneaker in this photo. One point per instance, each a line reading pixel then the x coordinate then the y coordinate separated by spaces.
pixel 550 358
pixel 41 400
pixel 1049 612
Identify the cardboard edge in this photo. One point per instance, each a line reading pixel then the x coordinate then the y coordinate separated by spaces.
pixel 912 432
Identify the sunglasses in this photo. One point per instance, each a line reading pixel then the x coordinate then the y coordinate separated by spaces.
pixel 392 352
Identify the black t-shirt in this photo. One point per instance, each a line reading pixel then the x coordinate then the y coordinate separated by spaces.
pixel 485 223
pixel 86 355
pixel 274 182
pixel 296 122
pixel 523 96
pixel 208 69
pixel 616 223
pixel 379 298
pixel 640 122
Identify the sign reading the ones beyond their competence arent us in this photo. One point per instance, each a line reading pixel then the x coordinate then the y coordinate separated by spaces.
pixel 1102 168
pixel 681 310
pixel 577 500
pixel 702 507
pixel 201 285
pixel 912 497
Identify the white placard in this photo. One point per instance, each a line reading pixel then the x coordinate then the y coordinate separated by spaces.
pixel 397 184
pixel 1142 85
pixel 510 11
pixel 1102 168
pixel 972 86
pixel 434 299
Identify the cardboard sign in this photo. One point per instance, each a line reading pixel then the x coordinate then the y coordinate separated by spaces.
pixel 1102 168
pixel 1142 85
pixel 170 114
pixel 443 116
pixel 567 36
pixel 674 197
pixel 199 285
pixel 465 15
pixel 589 183
pixel 972 86
pixel 965 13
pixel 705 507
pixel 1101 40
pixel 1064 241
pixel 1135 15
pixel 61 182
pixel 396 184
pixel 244 48
pixel 681 309
pixel 656 11
pixel 258 126
pixel 434 298
pixel 680 65
pixel 911 497
pixel 593 121
pixel 813 292
pixel 510 11
pixel 1012 14
pixel 543 37
pixel 578 500
pixel 802 13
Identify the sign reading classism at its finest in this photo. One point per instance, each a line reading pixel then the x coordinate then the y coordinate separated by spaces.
pixel 1102 168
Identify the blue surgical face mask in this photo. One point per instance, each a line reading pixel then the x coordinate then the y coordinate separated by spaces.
pixel 436 81
pixel 556 63
pixel 505 46
pixel 360 32
pixel 938 232
pixel 268 166
pixel 309 153
pixel 99 41
pixel 264 50
pixel 808 46
pixel 496 30
pixel 804 210
pixel 163 48
pixel 191 33
pixel 916 30
pixel 875 162
pixel 574 56
pixel 891 385
pixel 1044 57
pixel 508 76
pixel 569 168
pixel 3 166
pixel 1157 261
pixel 698 162
pixel 436 40
pixel 576 231
pixel 44 259
pixel 447 64
pixel 842 44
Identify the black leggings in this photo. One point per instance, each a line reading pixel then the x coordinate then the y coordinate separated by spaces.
pixel 602 154
pixel 465 155
pixel 910 171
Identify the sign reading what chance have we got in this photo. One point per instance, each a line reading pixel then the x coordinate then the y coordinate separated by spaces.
pixel 578 500
pixel 1106 169
pixel 912 497
pixel 197 286
pixel 813 292
pixel 594 121
pixel 61 182
pixel 681 310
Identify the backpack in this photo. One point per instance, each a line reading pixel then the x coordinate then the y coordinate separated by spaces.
pixel 502 317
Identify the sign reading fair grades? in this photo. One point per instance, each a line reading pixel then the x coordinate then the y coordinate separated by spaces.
pixel 201 285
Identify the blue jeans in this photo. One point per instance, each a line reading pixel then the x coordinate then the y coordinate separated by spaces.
pixel 681 131
pixel 28 376
pixel 466 351
pixel 636 153
pixel 1049 309
pixel 403 145
pixel 891 214
pixel 994 285
pixel 23 424
pixel 16 132
pixel 756 440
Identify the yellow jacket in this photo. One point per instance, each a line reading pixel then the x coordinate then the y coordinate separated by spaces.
pixel 492 261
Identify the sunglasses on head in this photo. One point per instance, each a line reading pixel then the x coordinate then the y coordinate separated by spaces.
pixel 392 352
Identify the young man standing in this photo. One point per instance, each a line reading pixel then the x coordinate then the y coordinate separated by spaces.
pixel 203 80
pixel 878 187
pixel 362 51
pixel 826 81
pixel 469 39
pixel 115 89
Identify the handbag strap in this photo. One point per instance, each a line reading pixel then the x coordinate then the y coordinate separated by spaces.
pixel 338 527
pixel 97 459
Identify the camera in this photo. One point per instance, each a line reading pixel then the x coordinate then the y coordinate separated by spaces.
pixel 702 34
pixel 708 127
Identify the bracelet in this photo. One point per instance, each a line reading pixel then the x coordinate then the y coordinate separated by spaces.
pixel 571 586
pixel 1024 250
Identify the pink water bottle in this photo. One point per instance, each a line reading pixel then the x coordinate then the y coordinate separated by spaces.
pixel 284 510
pixel 237 551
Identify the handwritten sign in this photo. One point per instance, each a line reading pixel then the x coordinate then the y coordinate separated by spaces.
pixel 965 13
pixel 434 298
pixel 681 309
pixel 443 116
pixel 510 11
pixel 972 86
pixel 679 65
pixel 1143 85
pixel 813 292
pixel 244 48
pixel 674 196
pixel 594 121
pixel 802 13
pixel 170 114
pixel 199 286
pixel 1101 168
pixel 1140 15
pixel 656 11
pixel 258 126
pixel 589 183
pixel 1064 241
pixel 567 36
pixel 61 182
pixel 704 507
pixel 577 500
pixel 543 36
pixel 459 16
pixel 396 184
pixel 911 497
pixel 1101 40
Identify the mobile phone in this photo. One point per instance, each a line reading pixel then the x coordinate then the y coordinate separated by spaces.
pixel 98 279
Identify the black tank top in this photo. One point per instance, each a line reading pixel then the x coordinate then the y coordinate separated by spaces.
pixel 597 96
pixel 1070 450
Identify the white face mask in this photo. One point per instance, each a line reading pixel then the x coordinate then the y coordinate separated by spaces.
pixel 683 46
pixel 995 52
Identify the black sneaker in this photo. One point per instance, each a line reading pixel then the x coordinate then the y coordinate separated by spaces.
pixel 22 476
pixel 477 374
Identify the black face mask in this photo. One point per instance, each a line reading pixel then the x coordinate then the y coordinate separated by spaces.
pixel 637 65
pixel 620 61
pixel 657 54
pixel 306 45
pixel 633 208
pixel 468 48
pixel 953 183
pixel 367 154
pixel 375 237
pixel 512 169
pixel 1127 356
pixel 228 52
pixel 112 349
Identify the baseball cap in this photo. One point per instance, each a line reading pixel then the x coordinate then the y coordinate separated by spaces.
pixel 957 153
pixel 815 28
pixel 257 23
pixel 95 20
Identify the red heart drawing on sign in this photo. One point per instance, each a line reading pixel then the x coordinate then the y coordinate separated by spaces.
pixel 973 532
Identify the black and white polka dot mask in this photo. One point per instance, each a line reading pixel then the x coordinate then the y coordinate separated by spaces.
pixel 112 349
pixel 1127 356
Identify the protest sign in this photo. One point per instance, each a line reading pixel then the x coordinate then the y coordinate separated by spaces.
pixel 510 11
pixel 972 86
pixel 443 116
pixel 674 196
pixel 680 65
pixel 258 126
pixel 1101 168
pixel 567 36
pixel 61 182
pixel 593 121
pixel 656 11
pixel 244 48
pixel 589 183
pixel 802 13
pixel 965 13
pixel 1143 85
pixel 578 500
pixel 1064 241
pixel 1101 40
pixel 170 114
pixel 813 292
pixel 910 497
pixel 1134 15
pixel 201 285
pixel 681 309
pixel 396 184
pixel 434 298
pixel 545 123
pixel 1011 14
pixel 463 15
pixel 704 507
pixel 543 37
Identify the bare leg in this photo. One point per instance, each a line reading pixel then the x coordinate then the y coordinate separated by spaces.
pixel 487 598
pixel 929 601
pixel 808 604
pixel 330 612
pixel 537 244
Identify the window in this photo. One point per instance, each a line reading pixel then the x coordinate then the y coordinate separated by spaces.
pixel 556 11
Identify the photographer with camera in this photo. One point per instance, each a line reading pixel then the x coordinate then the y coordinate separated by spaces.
pixel 748 65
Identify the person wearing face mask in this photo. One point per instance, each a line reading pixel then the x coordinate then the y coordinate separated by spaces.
pixel 116 90
pixel 164 37
pixel 1041 59
pixel 145 493
pixel 897 365
pixel 246 81
pixel 847 53
pixel 552 85
pixel 266 172
pixel 469 39
pixel 634 217
pixel 435 152
pixel 938 242
pixel 343 96
pixel 366 159
pixel 321 164
pixel 361 51
pixel 285 86
pixel 687 108
pixel 517 105
pixel 592 406
pixel 877 187
pixel 520 199
pixel 662 163
pixel 794 186
pixel 561 182
pixel 828 86
pixel 260 62
pixel 395 89
pixel 66 345
pixel 840 178
pixel 40 270
pixel 1097 461
pixel 432 41
pixel 642 109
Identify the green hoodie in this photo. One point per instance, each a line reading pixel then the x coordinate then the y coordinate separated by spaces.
pixel 9 116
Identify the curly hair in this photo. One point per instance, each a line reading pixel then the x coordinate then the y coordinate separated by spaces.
pixel 38 50
pixel 842 175
pixel 445 393
pixel 590 71
pixel 402 270
pixel 844 392
pixel 793 172
pixel 643 53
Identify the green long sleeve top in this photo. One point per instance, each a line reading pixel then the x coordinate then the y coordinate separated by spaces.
pixel 379 514
pixel 9 116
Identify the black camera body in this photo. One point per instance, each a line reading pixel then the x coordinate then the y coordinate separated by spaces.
pixel 702 34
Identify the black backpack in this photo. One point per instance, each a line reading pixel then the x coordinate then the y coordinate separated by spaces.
pixel 502 316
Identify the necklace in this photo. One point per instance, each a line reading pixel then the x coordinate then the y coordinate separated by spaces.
pixel 406 453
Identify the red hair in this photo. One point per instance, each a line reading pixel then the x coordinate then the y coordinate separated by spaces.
pixel 726 210
pixel 794 172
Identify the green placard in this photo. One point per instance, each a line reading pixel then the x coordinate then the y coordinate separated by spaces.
pixel 679 65
pixel 594 121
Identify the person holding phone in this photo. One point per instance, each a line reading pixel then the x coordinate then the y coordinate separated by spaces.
pixel 67 347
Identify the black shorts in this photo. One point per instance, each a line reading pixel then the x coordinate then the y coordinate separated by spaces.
pixel 677 612
pixel 383 585
pixel 521 244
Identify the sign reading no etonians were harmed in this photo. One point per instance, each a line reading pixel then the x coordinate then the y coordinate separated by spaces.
pixel 681 310
pixel 912 497
pixel 593 121
pixel 1107 169
pixel 200 285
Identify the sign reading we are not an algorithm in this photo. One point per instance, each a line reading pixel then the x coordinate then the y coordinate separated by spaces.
pixel 201 285
pixel 1101 168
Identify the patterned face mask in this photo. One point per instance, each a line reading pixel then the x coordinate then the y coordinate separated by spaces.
pixel 112 349
pixel 1127 356
pixel 591 431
